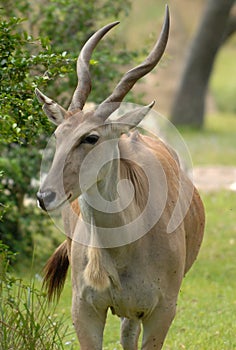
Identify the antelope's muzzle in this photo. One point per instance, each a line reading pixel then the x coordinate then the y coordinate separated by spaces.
pixel 45 199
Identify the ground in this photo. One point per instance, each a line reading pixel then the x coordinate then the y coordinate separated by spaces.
pixel 214 178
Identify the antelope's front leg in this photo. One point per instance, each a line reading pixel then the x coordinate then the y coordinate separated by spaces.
pixel 89 323
pixel 156 326
pixel 130 330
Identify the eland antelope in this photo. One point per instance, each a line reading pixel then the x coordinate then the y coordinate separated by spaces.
pixel 133 219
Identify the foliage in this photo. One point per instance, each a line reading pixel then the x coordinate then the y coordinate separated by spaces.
pixel 24 62
pixel 68 24
pixel 26 322
pixel 22 122
pixel 65 25
pixel 61 27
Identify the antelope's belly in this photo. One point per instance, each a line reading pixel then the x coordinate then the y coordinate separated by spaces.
pixel 135 301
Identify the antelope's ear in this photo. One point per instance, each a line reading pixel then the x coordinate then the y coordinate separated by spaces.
pixel 55 113
pixel 133 118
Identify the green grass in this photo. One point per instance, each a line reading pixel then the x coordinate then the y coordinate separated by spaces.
pixel 216 143
pixel 26 321
pixel 206 317
pixel 223 83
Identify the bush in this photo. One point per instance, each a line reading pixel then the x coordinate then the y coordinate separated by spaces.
pixel 23 127
pixel 26 321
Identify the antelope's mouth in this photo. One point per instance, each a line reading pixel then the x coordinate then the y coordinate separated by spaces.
pixel 60 205
pixel 47 201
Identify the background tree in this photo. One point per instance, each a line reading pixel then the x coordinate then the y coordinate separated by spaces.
pixel 215 27
pixel 62 27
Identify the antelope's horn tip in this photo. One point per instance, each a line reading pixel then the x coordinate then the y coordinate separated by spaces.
pixel 113 24
pixel 167 12
pixel 151 104
pixel 38 94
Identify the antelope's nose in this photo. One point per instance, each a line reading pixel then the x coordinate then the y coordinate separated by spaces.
pixel 45 198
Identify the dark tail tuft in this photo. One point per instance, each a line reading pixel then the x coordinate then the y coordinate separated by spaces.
pixel 55 272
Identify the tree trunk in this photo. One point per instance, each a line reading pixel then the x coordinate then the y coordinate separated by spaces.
pixel 189 104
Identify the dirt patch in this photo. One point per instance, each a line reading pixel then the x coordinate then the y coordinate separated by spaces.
pixel 214 178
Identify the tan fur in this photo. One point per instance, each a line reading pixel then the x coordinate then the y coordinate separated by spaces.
pixel 133 172
pixel 139 273
pixel 123 278
pixel 95 274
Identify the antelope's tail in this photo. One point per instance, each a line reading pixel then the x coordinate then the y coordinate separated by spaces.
pixel 55 272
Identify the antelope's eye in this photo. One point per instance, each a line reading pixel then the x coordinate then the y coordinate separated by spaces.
pixel 91 139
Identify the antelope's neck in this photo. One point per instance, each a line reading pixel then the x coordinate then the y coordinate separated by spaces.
pixel 101 204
